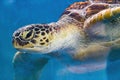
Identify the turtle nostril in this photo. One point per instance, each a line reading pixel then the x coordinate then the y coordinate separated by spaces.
pixel 13 40
pixel 17 34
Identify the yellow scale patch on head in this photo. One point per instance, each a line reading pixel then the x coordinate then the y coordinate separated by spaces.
pixel 24 34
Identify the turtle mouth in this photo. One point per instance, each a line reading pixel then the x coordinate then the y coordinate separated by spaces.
pixel 19 42
pixel 27 47
pixel 33 50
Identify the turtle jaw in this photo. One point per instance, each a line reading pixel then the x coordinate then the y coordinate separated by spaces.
pixel 41 50
pixel 29 47
pixel 19 45
pixel 33 50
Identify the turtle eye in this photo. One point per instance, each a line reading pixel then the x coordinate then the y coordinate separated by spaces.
pixel 27 35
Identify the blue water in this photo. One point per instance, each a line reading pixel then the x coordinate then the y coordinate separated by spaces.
pixel 17 13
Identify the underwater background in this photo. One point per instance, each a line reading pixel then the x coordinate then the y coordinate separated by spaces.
pixel 17 13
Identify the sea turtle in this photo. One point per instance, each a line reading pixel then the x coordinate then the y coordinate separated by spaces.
pixel 81 39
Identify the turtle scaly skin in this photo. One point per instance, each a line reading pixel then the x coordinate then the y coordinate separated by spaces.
pixel 84 33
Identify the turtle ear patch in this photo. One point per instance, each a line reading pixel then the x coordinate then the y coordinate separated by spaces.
pixel 44 41
pixel 41 32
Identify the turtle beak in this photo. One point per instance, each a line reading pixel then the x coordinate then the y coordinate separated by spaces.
pixel 14 42
pixel 15 34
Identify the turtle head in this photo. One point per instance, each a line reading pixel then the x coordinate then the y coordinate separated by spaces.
pixel 33 38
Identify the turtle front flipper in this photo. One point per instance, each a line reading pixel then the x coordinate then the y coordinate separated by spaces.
pixel 92 58
pixel 27 67
pixel 102 34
